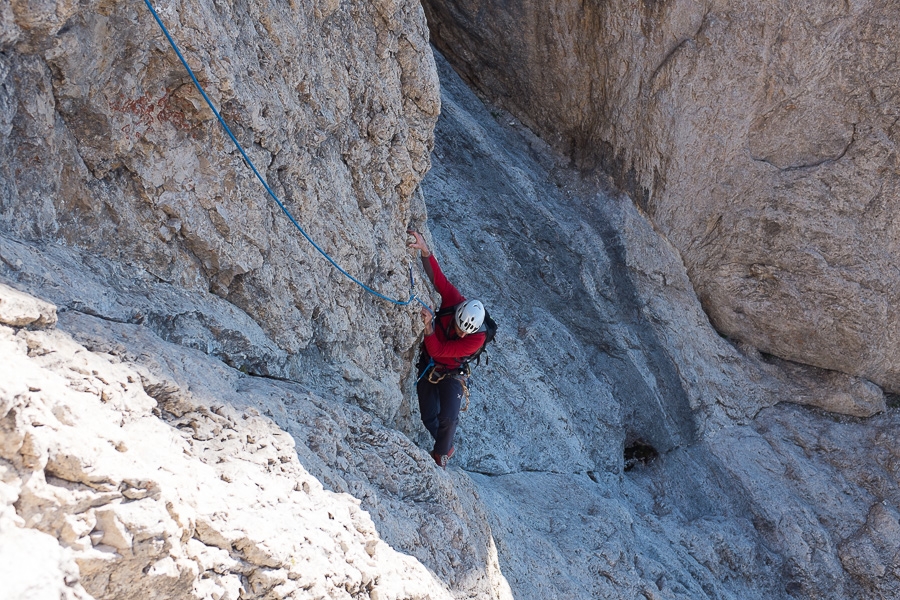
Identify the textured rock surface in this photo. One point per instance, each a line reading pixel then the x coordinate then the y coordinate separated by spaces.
pixel 760 137
pixel 151 468
pixel 175 426
pixel 746 500
pixel 107 146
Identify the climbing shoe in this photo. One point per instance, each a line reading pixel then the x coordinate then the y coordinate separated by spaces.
pixel 443 459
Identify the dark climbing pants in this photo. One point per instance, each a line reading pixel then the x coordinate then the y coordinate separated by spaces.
pixel 439 405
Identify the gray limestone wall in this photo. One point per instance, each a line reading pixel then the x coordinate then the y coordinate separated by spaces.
pixel 760 138
pixel 194 404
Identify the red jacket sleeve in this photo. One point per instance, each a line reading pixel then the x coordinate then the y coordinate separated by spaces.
pixel 449 294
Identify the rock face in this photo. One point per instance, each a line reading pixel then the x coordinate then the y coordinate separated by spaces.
pixel 760 138
pixel 602 345
pixel 107 146
pixel 122 483
pixel 195 405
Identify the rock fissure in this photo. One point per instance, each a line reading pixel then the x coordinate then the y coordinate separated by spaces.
pixel 670 55
pixel 818 163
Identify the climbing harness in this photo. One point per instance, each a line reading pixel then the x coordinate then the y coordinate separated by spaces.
pixel 284 209
pixel 434 376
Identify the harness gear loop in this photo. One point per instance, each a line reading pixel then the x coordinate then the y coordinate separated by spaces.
pixel 462 376
pixel 434 376
pixel 465 386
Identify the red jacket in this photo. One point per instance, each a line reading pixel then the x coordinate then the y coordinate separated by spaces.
pixel 444 346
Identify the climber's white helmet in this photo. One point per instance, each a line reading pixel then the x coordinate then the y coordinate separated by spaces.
pixel 470 316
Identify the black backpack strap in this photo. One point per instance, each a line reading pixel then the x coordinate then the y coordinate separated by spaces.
pixel 446 311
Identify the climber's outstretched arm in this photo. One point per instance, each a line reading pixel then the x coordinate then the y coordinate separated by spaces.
pixel 425 253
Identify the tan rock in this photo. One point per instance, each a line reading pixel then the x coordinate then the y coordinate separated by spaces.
pixel 158 518
pixel 111 531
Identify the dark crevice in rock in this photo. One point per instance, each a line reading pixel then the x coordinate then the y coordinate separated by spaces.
pixel 638 452
pixel 675 49
pixel 250 373
pixel 668 58
pixel 811 165
pixel 80 307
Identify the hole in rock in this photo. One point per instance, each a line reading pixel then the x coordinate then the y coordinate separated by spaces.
pixel 638 452
pixel 892 400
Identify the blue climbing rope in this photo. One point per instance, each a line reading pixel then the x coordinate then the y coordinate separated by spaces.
pixel 428 366
pixel 412 295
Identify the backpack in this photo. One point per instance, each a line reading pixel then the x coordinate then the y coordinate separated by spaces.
pixel 488 327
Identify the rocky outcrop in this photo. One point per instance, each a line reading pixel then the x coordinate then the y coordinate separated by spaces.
pixel 134 467
pixel 106 145
pixel 604 348
pixel 759 137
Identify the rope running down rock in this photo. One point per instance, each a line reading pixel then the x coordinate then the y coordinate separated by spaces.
pixel 412 295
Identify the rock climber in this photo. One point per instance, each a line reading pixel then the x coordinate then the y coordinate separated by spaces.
pixel 450 338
